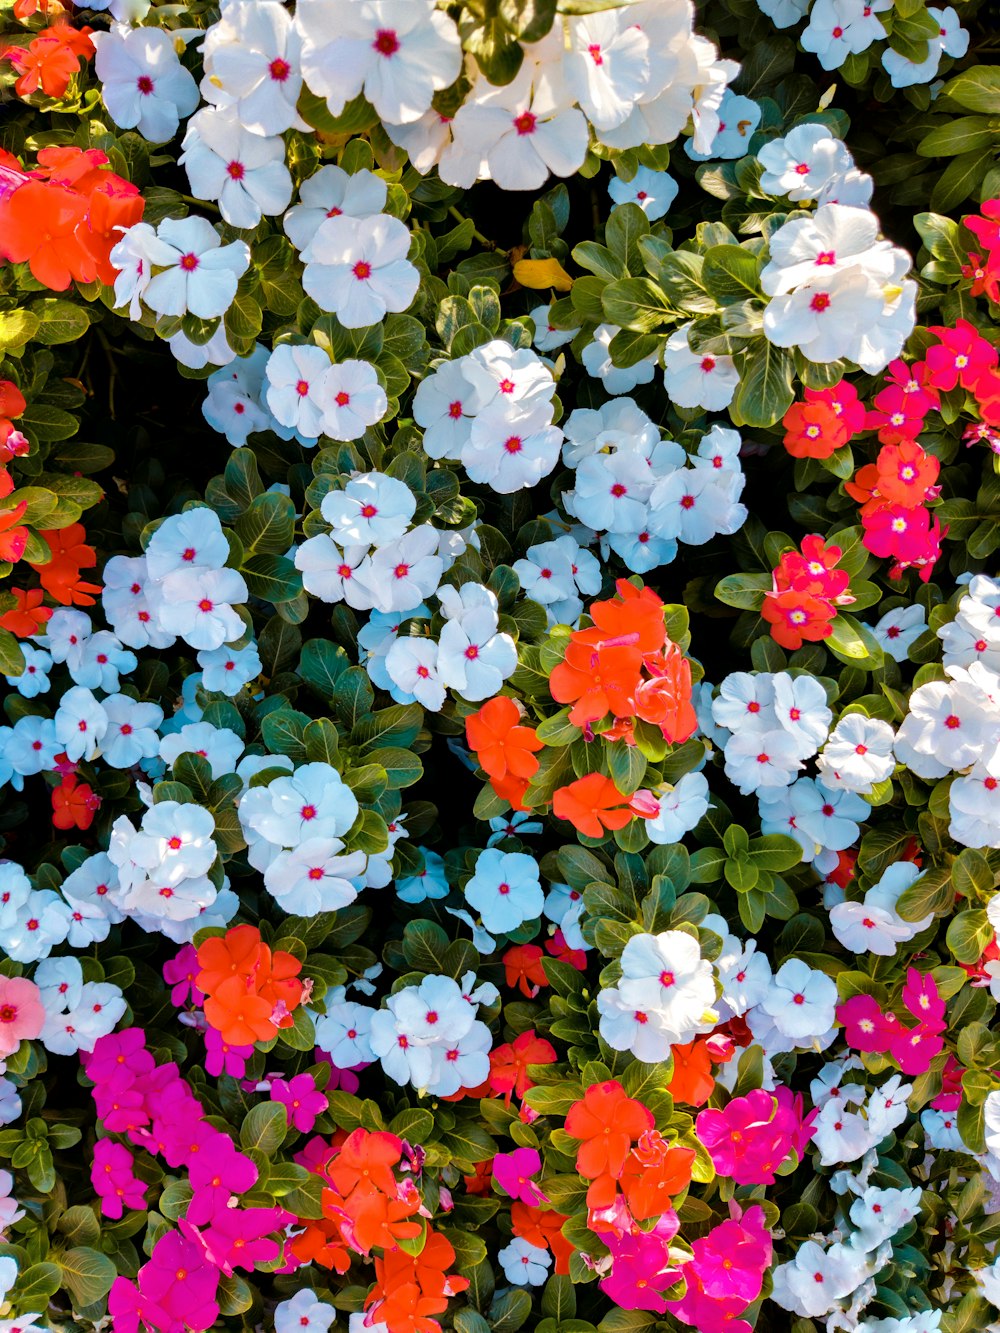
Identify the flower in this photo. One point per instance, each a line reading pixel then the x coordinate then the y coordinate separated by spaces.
pixel 22 1014
pixel 251 62
pixel 244 171
pixel 607 1122
pixel 358 268
pixel 143 83
pixel 695 380
pixel 800 1000
pixel 505 889
pixel 591 804
pixel 653 191
pixel 525 1264
pixel 199 274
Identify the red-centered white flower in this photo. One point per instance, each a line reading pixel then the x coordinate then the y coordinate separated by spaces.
pixel 653 191
pixel 245 172
pixel 133 257
pixel 506 375
pixel 515 136
pixel 811 249
pixel 251 61
pixel 607 66
pixel 80 723
pixel 198 606
pixel 400 576
pixel 312 802
pixel 313 877
pixel 131 733
pixel 330 193
pixel 295 390
pixel 823 319
pixel 412 665
pixel 611 492
pixel 864 928
pixel 218 746
pixel 333 574
pixel 858 754
pixel 372 510
pixel 444 405
pixel 474 659
pixel 665 976
pixel 804 163
pixel 511 449
pixel 424 140
pixel 353 399
pixel 397 52
pixel 693 505
pixel 974 808
pixel 953 722
pixel 357 267
pixel 697 379
pixel 762 759
pixel 191 540
pixel 143 84
pixel 200 274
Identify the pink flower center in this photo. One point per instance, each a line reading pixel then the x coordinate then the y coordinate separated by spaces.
pixel 386 42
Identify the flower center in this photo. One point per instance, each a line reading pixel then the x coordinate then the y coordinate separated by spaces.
pixel 145 84
pixel 362 270
pixel 279 70
pixel 525 122
pixel 386 42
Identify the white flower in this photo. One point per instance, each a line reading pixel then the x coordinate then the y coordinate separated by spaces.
pixel 515 376
pixel 34 679
pixel 143 84
pixel 680 809
pixel 296 387
pixel 328 193
pixel 505 889
pixel 607 67
pixel 547 337
pixel 132 256
pixel 817 1279
pixel 15 889
pixel 511 448
pixel 801 1000
pixel 424 140
pixel 251 62
pixel 198 606
pixel 801 708
pixel 887 1108
pixel 200 274
pixel 354 399
pixel 305 1311
pixel 132 731
pixel 653 191
pixel 864 928
pixel 220 746
pixel 66 636
pixel 756 759
pixel 886 893
pixel 899 629
pixel 693 505
pixel 343 1033
pixel 175 841
pixel 952 40
pixel 444 405
pixel 695 380
pixel 397 52
pixel 400 576
pixel 334 575
pixel 473 658
pixel 431 882
pixel 835 30
pixel 313 802
pixel 42 922
pixel 665 975
pixel 974 807
pixel 858 754
pixel 804 163
pixel 745 977
pixel 313 878
pixel 611 492
pixel 597 362
pixel 524 1264
pixel 738 117
pixel 227 670
pixel 358 268
pixel 32 745
pixel 841 1135
pixel 191 540
pixel 80 723
pixel 101 660
pixel 245 172
pixel 412 665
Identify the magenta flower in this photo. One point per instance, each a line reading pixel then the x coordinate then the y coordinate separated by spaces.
pixel 180 972
pixel 114 1181
pixel 119 1056
pixel 923 1000
pixel 751 1138
pixel 181 1281
pixel 640 1273
pixel 726 1273
pixel 216 1175
pixel 512 1171
pixel 866 1027
pixel 238 1237
pixel 221 1058
pixel 127 1306
pixel 301 1099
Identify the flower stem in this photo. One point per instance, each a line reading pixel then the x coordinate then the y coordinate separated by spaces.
pixel 477 235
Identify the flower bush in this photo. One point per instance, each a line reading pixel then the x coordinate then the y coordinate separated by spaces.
pixel 501 816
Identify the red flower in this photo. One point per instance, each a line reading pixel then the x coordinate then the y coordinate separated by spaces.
pixel 523 965
pixel 813 430
pixel 592 804
pixel 29 615
pixel 74 804
pixel 60 577
pixel 51 59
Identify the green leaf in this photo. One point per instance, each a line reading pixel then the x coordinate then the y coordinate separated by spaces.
pixel 272 578
pixel 625 226
pixel 264 1127
pixel 765 393
pixel 976 89
pixel 968 935
pixel 961 135
pixel 86 1274
pixel 636 303
pixel 11 654
pixel 852 642
pixel 731 274
pixel 267 525
pixel 321 665
pixel 36 1285
pixel 745 591
pixel 59 321
pixel 681 276
pixel 17 327
pixel 931 894
pixel 961 178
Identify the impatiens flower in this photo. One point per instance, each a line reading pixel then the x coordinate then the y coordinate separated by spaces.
pixel 504 747
pixel 513 1171
pixel 244 172
pixel 525 1264
pixel 752 1137
pixel 301 1099
pixel 251 61
pixel 607 1122
pixel 505 889
pixel 358 268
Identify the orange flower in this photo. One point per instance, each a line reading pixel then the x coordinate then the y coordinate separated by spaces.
pixel 409 1288
pixel 665 700
pixel 278 983
pixel 74 804
pixel 654 1173
pixel 115 205
pixel 592 804
pixel 51 59
pixel 38 225
pixel 509 1063
pixel 29 615
pixel 378 1220
pixel 479 1182
pixel 523 965
pixel 864 486
pixel 323 1243
pixel 13 537
pixel 60 577
pixel 813 430
pixel 596 678
pixel 797 617
pixel 905 472
pixel 365 1163
pixel 235 954
pixel 241 1015
pixel 12 400
pixel 543 1227
pixel 693 1081
pixel 634 613
pixel 607 1121
pixel 504 748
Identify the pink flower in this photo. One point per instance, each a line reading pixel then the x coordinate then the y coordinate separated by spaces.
pixel 180 972
pixel 22 1014
pixel 114 1181
pixel 237 1237
pixel 727 1272
pixel 121 1056
pixel 923 1000
pixel 301 1099
pixel 181 1281
pixel 216 1175
pixel 221 1058
pixel 513 1171
pixel 915 1048
pixel 641 1272
pixel 866 1027
pixel 751 1138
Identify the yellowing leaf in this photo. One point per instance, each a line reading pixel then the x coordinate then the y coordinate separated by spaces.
pixel 540 273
